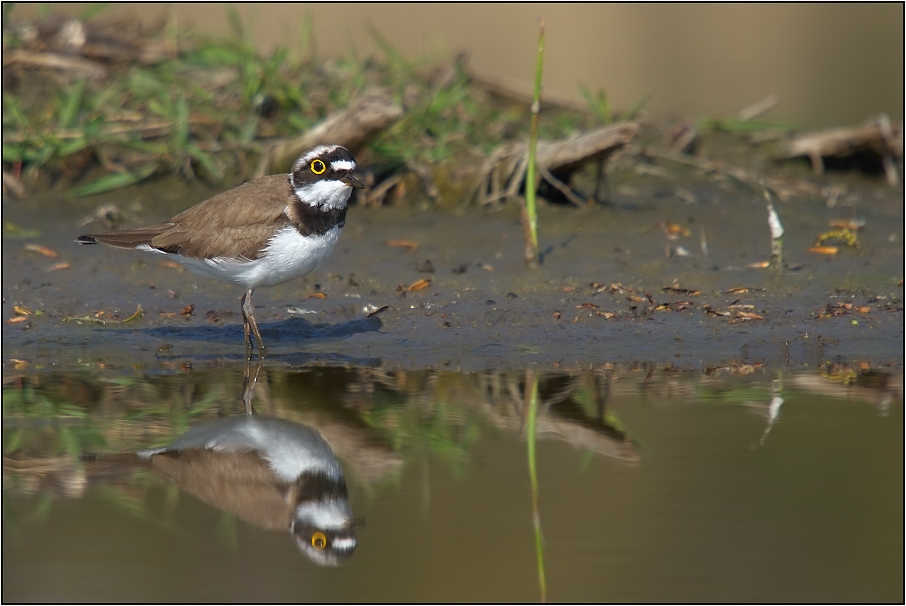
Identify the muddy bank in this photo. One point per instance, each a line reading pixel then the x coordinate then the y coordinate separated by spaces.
pixel 612 287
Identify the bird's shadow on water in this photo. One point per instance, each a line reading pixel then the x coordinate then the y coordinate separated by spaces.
pixel 280 338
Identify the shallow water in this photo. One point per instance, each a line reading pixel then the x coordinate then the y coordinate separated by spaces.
pixel 731 484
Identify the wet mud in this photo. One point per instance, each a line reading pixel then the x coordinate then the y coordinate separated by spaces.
pixel 611 288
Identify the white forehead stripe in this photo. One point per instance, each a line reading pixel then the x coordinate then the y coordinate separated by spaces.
pixel 324 514
pixel 343 544
pixel 342 165
pixel 312 154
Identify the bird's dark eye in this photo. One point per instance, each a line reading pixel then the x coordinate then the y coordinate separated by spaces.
pixel 318 540
pixel 318 167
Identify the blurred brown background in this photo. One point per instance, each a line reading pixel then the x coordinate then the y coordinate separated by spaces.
pixel 830 64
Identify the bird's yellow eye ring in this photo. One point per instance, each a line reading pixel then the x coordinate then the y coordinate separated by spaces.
pixel 318 167
pixel 318 540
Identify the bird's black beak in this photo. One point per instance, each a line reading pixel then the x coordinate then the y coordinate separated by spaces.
pixel 353 182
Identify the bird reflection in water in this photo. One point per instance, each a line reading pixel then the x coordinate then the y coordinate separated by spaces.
pixel 272 473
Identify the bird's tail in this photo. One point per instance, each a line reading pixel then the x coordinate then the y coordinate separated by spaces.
pixel 126 238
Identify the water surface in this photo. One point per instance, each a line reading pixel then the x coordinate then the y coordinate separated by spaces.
pixel 733 484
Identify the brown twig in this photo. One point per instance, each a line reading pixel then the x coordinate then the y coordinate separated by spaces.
pixel 562 187
pixel 877 136
pixel 67 63
pixel 563 157
pixel 351 127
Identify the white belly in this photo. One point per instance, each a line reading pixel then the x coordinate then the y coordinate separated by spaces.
pixel 287 256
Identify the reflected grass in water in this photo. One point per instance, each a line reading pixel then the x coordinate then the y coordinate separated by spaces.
pixel 637 462
pixel 530 429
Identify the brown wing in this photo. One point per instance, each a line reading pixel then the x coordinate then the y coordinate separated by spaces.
pixel 236 223
pixel 241 483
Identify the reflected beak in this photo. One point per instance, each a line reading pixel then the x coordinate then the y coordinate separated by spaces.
pixel 353 182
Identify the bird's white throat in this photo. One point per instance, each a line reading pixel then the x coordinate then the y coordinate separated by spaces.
pixel 327 195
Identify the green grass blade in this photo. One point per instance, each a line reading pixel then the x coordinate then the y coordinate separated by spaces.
pixel 115 181
pixel 72 105
pixel 205 160
pixel 92 10
pixel 235 21
pixel 71 147
pixel 599 105
pixel 12 153
pixel 631 114
pixel 181 121
pixel 531 181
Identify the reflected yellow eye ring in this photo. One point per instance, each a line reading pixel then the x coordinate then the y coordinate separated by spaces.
pixel 318 167
pixel 318 540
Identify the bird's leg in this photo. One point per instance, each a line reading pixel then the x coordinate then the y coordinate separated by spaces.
pixel 248 386
pixel 245 327
pixel 249 325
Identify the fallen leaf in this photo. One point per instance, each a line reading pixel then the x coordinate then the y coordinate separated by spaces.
pixel 685 291
pixel 748 316
pixel 409 245
pixel 418 285
pixel 742 289
pixel 17 319
pixel 57 266
pixel 824 250
pixel 136 316
pixel 714 312
pixel 760 264
pixel 670 229
pixel 171 264
pixel 21 311
pixel 41 249
pixel 568 289
pixel 845 235
pixel 588 306
pixel 606 314
pixel 556 315
pixel 317 295
pixel 188 309
pixel 738 320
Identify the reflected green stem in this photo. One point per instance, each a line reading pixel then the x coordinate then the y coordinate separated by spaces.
pixel 531 388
